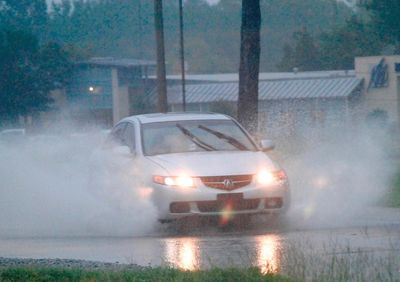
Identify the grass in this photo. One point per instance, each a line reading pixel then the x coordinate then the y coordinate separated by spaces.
pixel 393 197
pixel 341 264
pixel 300 261
pixel 150 274
pixel 297 265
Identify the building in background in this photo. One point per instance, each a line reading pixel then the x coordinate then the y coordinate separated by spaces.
pixel 289 102
pixel 381 76
pixel 296 100
pixel 104 90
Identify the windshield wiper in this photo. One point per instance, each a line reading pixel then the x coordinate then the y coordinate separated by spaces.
pixel 195 139
pixel 233 141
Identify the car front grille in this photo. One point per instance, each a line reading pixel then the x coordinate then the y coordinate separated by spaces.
pixel 228 182
pixel 218 206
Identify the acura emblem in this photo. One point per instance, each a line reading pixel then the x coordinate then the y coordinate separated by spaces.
pixel 228 183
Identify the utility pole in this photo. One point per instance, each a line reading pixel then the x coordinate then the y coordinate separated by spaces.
pixel 182 55
pixel 139 12
pixel 161 73
pixel 249 64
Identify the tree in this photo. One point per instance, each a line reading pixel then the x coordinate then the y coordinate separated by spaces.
pixel 17 51
pixel 212 33
pixel 28 74
pixel 287 62
pixel 304 55
pixel 249 64
pixel 54 66
pixel 23 15
pixel 340 46
pixel 385 16
pixel 333 50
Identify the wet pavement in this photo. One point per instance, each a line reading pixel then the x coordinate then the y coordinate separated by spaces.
pixel 260 243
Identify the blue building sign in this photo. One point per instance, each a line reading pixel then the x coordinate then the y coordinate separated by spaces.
pixel 397 67
pixel 379 75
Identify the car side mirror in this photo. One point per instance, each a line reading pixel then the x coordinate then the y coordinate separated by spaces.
pixel 267 145
pixel 124 151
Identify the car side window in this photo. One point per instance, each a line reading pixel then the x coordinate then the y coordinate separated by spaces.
pixel 117 134
pixel 129 136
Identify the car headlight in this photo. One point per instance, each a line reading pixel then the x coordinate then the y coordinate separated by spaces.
pixel 266 177
pixel 178 181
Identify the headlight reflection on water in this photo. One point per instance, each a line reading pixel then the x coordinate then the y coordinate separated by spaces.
pixel 183 253
pixel 268 253
pixel 187 254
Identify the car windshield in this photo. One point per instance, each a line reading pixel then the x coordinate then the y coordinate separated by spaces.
pixel 194 136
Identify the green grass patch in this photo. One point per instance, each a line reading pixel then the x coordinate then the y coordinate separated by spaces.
pixel 149 274
pixel 393 196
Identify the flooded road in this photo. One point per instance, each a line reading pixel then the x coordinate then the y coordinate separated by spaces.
pixel 267 246
pixel 48 210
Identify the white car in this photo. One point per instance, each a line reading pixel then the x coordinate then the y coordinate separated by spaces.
pixel 201 164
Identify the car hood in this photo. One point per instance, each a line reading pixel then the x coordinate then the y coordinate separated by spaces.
pixel 214 163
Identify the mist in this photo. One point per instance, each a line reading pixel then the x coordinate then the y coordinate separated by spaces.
pixel 52 186
pixel 337 174
pixel 46 191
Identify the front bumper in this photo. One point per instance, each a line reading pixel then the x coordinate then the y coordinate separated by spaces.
pixel 175 202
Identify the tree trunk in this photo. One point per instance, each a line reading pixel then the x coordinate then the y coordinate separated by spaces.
pixel 161 74
pixel 249 64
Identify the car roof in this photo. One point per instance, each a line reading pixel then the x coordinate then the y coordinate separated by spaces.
pixel 180 116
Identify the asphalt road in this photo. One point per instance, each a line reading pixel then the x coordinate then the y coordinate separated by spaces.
pixel 374 232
